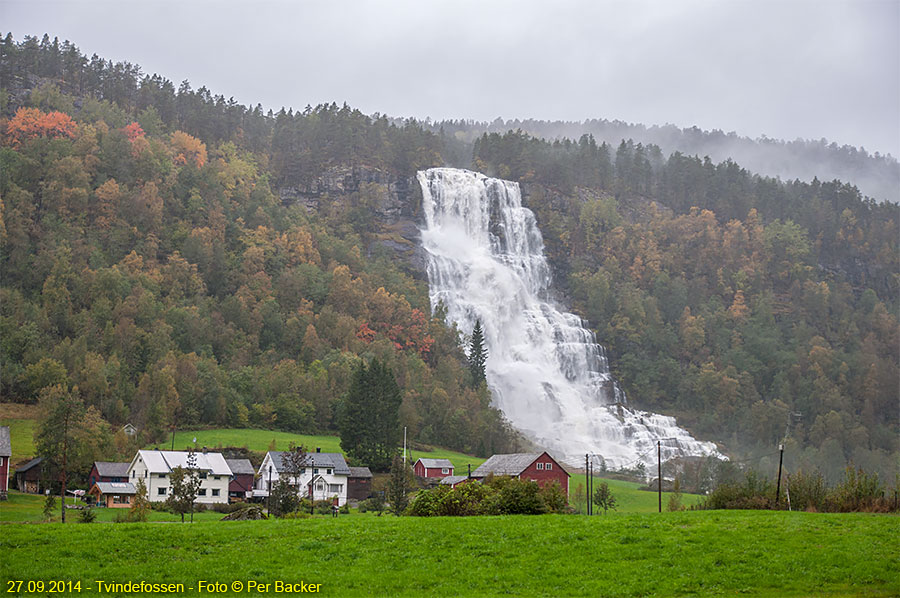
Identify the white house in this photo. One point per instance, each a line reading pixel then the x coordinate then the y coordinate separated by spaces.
pixel 324 475
pixel 155 467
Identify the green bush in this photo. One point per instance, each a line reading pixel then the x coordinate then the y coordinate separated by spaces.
pixel 807 491
pixel 87 516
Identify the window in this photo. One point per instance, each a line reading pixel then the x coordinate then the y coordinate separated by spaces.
pixel 540 467
pixel 1 460
pixel 316 470
pixel 548 466
pixel 216 478
pixel 201 492
pixel 161 476
pixel 444 470
pixel 335 488
pixel 215 492
pixel 302 470
pixel 320 486
pixel 161 491
pixel 132 474
pixel 328 471
pixel 120 500
pixel 202 475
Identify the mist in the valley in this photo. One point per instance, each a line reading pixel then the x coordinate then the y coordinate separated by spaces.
pixel 876 176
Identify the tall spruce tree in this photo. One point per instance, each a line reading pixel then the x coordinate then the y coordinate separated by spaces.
pixel 477 354
pixel 370 419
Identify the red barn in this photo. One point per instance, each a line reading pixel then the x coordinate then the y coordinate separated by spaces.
pixel 433 468
pixel 538 467
pixel 5 454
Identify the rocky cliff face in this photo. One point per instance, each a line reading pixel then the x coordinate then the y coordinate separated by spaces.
pixel 393 202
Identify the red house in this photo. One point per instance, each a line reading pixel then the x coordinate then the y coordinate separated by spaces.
pixel 243 475
pixel 538 467
pixel 108 471
pixel 5 454
pixel 433 468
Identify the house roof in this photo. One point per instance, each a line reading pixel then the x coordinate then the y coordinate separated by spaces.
pixel 116 487
pixel 166 461
pixel 334 461
pixel 29 465
pixel 240 466
pixel 512 464
pixel 111 469
pixel 5 445
pixel 360 472
pixel 452 480
pixel 435 463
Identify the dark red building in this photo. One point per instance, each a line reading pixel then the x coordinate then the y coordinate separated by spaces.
pixel 108 471
pixel 5 454
pixel 538 467
pixel 433 468
pixel 359 483
pixel 242 478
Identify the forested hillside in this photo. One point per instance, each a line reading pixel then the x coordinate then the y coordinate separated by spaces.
pixel 184 260
pixel 734 301
pixel 149 265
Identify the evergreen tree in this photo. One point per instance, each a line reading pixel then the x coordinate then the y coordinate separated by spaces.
pixel 369 422
pixel 399 485
pixel 477 354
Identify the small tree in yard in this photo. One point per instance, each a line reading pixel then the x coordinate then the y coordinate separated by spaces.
pixel 675 497
pixel 140 506
pixel 283 498
pixel 603 497
pixel 400 485
pixel 185 487
pixel 49 505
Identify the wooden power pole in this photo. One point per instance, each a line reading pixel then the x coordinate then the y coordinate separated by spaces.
pixel 780 461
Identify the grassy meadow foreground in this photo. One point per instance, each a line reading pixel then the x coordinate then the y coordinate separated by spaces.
pixel 688 553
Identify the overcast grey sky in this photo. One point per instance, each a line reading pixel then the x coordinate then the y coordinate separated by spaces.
pixel 784 69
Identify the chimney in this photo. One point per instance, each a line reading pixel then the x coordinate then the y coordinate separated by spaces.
pixel 318 449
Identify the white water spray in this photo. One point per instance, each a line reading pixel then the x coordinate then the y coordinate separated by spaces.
pixel 546 371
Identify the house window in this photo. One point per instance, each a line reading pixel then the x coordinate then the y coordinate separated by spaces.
pixel 216 478
pixel 201 492
pixel 302 470
pixel 548 466
pixel 215 492
pixel 161 491
pixel 328 471
pixel 540 467
pixel 202 475
pixel 132 474
pixel 161 476
pixel 1 460
pixel 444 470
pixel 335 488
pixel 316 470
pixel 120 500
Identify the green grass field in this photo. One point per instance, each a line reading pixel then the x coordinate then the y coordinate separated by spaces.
pixel 711 553
pixel 261 440
pixel 21 436
pixel 29 508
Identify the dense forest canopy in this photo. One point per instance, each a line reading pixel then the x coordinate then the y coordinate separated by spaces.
pixel 152 258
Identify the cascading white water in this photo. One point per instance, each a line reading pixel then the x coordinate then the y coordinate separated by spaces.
pixel 545 369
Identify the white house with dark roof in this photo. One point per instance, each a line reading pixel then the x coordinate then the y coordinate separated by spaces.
pixel 5 454
pixel 155 468
pixel 324 476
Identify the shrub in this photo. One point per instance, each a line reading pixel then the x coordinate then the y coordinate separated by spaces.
pixel 858 491
pixel 807 491
pixel 87 516
pixel 553 497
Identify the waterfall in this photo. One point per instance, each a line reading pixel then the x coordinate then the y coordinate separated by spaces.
pixel 545 369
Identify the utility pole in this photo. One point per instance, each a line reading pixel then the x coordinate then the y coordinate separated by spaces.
pixel 404 447
pixel 591 487
pixel 659 472
pixel 780 460
pixel 269 493
pixel 587 483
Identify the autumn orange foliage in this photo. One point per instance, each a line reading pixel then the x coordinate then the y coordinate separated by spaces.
pixel 188 148
pixel 31 123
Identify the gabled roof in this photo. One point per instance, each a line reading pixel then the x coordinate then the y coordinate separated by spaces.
pixel 240 466
pixel 452 480
pixel 436 463
pixel 29 465
pixel 512 464
pixel 360 472
pixel 116 487
pixel 166 461
pixel 111 469
pixel 334 461
pixel 5 444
